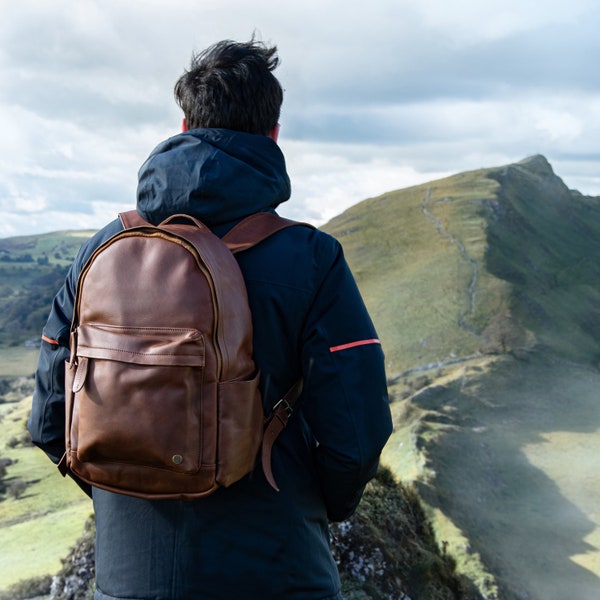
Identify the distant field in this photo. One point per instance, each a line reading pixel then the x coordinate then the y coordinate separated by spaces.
pixel 18 361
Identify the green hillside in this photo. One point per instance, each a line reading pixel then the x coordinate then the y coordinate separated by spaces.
pixel 32 268
pixel 41 524
pixel 484 287
pixel 419 257
pixel 510 462
pixel 448 267
pixel 544 240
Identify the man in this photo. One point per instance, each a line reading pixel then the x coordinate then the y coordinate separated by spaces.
pixel 248 540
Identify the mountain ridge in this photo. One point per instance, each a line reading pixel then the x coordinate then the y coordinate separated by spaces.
pixel 465 232
pixel 485 287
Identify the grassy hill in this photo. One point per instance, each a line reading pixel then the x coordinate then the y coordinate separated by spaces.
pixel 484 287
pixel 46 532
pixel 32 268
pixel 439 263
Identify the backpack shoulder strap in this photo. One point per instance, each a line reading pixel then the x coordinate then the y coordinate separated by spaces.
pixel 254 229
pixel 132 218
pixel 247 233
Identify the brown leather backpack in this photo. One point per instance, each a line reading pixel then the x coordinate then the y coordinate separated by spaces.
pixel 161 389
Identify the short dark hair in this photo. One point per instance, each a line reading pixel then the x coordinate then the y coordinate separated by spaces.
pixel 231 85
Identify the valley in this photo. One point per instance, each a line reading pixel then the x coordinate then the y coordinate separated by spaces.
pixel 490 444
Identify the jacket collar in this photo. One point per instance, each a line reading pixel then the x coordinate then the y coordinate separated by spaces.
pixel 215 175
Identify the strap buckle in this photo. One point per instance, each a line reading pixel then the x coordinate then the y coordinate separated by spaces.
pixel 284 403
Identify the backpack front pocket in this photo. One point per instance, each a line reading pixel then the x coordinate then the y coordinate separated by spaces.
pixel 138 397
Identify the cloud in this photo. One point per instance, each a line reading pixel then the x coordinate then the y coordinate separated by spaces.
pixel 378 95
pixel 330 177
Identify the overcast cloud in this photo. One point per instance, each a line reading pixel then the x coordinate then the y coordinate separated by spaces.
pixel 379 95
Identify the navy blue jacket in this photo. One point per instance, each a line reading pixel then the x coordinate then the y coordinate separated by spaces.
pixel 246 541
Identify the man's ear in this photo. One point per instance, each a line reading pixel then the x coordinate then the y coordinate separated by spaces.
pixel 274 133
pixel 184 125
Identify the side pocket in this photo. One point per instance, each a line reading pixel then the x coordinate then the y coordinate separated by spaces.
pixel 240 429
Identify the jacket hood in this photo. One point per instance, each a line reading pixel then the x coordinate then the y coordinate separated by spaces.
pixel 215 175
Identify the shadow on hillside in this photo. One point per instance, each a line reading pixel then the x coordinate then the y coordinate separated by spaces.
pixel 515 514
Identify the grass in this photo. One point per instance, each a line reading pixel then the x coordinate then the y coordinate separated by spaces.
pixel 556 454
pixel 399 452
pixel 37 546
pixel 544 241
pixel 38 529
pixel 405 454
pixel 32 268
pixel 437 262
pixel 387 549
pixel 58 245
pixel 422 244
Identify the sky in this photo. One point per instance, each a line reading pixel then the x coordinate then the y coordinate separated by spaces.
pixel 379 95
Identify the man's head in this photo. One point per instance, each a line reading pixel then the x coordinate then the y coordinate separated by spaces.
pixel 231 85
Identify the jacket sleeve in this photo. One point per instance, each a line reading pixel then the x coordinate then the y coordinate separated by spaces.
pixel 345 399
pixel 46 422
